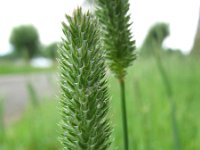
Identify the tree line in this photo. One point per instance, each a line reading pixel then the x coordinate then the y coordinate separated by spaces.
pixel 26 43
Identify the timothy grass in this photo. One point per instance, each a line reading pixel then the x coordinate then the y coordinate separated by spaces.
pixel 147 106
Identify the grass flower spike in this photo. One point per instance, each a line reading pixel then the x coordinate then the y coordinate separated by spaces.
pixel 115 23
pixel 85 102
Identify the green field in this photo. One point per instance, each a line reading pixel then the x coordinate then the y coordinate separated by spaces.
pixel 148 111
pixel 7 68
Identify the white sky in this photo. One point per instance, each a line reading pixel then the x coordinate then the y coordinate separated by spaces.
pixel 46 16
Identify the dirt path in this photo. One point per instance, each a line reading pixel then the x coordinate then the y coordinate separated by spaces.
pixel 14 92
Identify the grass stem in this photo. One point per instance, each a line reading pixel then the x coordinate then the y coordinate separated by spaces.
pixel 124 114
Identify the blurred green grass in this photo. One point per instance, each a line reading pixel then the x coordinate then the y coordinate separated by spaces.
pixel 7 68
pixel 148 111
pixel 37 129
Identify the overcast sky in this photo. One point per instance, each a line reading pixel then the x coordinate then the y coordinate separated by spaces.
pixel 46 16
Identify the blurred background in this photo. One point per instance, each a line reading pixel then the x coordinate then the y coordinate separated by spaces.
pixel 167 35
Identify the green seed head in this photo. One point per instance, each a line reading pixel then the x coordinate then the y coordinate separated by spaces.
pixel 84 94
pixel 115 23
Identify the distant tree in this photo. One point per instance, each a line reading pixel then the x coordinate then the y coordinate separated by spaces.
pixel 174 52
pixel 155 38
pixel 51 50
pixel 90 2
pixel 196 46
pixel 25 40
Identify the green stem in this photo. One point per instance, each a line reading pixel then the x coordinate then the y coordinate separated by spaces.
pixel 172 104
pixel 2 128
pixel 124 115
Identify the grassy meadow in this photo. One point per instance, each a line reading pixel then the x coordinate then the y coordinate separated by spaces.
pixel 8 67
pixel 148 111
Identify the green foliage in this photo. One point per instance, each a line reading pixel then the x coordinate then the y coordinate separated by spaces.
pixel 84 94
pixel 155 37
pixel 170 94
pixel 36 129
pixel 155 41
pixel 25 40
pixel 51 50
pixel 115 21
